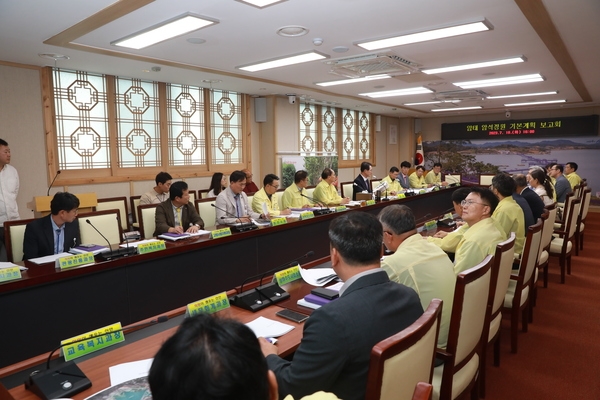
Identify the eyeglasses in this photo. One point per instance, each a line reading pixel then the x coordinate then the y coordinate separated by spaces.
pixel 274 186
pixel 467 203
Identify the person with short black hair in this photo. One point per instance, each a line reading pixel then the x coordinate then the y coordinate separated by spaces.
pixel 508 214
pixel 338 337
pixel 403 178
pixel 571 174
pixel 483 234
pixel 55 233
pixel 326 193
pixel 294 195
pixel 361 183
pixel 562 187
pixel 218 183
pixel 448 241
pixel 268 196
pixel 160 192
pixel 434 177
pixel 416 263
pixel 536 204
pixel 177 214
pixel 232 205
pixel 416 179
pixel 391 179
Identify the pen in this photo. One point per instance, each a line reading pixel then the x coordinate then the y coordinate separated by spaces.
pixel 271 340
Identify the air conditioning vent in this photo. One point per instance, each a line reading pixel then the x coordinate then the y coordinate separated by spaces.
pixel 464 95
pixel 372 64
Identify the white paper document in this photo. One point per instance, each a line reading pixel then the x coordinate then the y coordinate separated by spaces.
pixel 124 372
pixel 318 276
pixel 49 259
pixel 135 244
pixel 10 265
pixel 265 327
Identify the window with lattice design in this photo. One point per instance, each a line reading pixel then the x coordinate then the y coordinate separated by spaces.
pixel 308 128
pixel 226 127
pixel 187 142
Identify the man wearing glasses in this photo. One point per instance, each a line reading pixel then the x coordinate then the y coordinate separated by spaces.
pixel 232 203
pixel 562 187
pixel 267 196
pixel 483 234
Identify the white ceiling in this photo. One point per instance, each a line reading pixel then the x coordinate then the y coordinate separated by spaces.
pixel 246 34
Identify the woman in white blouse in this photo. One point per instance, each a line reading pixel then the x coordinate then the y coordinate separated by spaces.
pixel 217 184
pixel 540 183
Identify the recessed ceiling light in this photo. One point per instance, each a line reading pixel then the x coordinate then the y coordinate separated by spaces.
pixel 474 65
pixel 456 109
pixel 534 103
pixel 399 92
pixel 431 102
pixel 340 49
pixel 292 31
pixel 211 81
pixel 195 40
pixel 261 3
pixel 511 80
pixel 169 29
pixel 353 80
pixel 508 96
pixel 284 61
pixel 433 34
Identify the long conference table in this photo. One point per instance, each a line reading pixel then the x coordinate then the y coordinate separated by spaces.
pixel 47 305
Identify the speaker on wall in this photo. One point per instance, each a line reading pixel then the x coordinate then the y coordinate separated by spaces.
pixel 417 125
pixel 378 123
pixel 260 109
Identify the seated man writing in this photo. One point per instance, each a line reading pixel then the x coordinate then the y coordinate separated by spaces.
pixel 177 215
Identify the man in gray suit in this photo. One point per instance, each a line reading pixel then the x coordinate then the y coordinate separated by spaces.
pixel 232 203
pixel 334 353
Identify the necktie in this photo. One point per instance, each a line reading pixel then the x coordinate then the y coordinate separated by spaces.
pixel 178 222
pixel 238 206
pixel 57 246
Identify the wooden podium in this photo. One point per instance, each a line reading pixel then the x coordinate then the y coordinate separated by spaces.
pixel 41 204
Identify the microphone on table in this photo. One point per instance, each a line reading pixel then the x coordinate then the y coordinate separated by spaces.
pixel 322 211
pixel 243 226
pixel 263 296
pixel 68 379
pixel 55 176
pixel 113 254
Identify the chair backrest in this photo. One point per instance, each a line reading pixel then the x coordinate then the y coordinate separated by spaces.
pixel 119 203
pixel 486 179
pixel 530 255
pixel 501 270
pixel 347 189
pixel 203 194
pixel 585 204
pixel 401 361
pixel 146 220
pixel 134 202
pixel 423 391
pixel 309 191
pixel 567 206
pixel 374 183
pixel 14 233
pixel 4 393
pixel 192 196
pixel 470 312
pixel 572 218
pixel 548 228
pixel 207 212
pixel 108 222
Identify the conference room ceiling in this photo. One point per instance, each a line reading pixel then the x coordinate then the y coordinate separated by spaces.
pixel 556 37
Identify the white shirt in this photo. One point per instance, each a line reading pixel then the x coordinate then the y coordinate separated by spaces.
pixel 9 189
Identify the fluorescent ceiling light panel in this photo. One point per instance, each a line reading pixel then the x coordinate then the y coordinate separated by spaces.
pixel 166 30
pixel 431 102
pixel 511 80
pixel 508 96
pixel 399 92
pixel 535 103
pixel 483 64
pixel 456 109
pixel 440 33
pixel 261 3
pixel 282 62
pixel 354 80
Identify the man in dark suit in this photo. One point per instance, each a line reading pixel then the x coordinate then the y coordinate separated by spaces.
pixel 533 199
pixel 361 183
pixel 177 215
pixel 55 233
pixel 334 353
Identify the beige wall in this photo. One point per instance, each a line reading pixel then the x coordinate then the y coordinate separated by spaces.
pixel 21 125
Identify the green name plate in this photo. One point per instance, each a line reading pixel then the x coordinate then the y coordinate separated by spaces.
pixel 422 191
pixel 151 247
pixel 278 221
pixel 429 225
pixel 370 202
pixel 448 216
pixel 208 305
pixel 75 260
pixel 306 215
pixel 219 233
pixel 9 274
pixel 401 196
pixel 92 341
pixel 288 275
pixel 340 208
